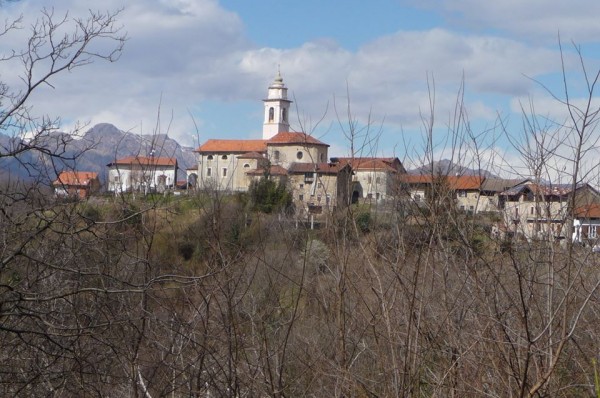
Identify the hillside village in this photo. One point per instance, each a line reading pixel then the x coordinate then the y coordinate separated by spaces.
pixel 319 183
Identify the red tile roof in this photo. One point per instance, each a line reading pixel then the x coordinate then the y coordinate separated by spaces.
pixel 454 182
pixel 323 168
pixel 465 182
pixel 370 163
pixel 251 155
pixel 588 211
pixel 233 146
pixel 81 178
pixel 145 161
pixel 289 137
pixel 273 170
pixel 416 179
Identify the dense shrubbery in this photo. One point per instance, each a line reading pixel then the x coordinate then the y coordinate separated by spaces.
pixel 191 287
pixel 267 196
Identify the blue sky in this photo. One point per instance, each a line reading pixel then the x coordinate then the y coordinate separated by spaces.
pixel 214 60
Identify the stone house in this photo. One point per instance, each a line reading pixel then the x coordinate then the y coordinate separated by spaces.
pixel 374 178
pixel 319 187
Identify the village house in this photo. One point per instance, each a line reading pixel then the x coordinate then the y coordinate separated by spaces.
pixel 463 190
pixel 540 210
pixel 142 174
pixel 467 189
pixel 76 184
pixel 374 178
pixel 490 199
pixel 319 186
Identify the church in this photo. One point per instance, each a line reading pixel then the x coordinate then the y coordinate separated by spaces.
pixel 293 158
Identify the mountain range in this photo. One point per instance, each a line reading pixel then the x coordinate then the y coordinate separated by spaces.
pixel 449 168
pixel 97 147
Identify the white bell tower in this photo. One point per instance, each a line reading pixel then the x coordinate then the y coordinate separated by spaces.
pixel 277 109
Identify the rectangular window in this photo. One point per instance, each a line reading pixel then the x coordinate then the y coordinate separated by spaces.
pixel 209 171
pixel 301 186
pixel 319 185
pixel 369 179
pixel 462 194
pixel 462 208
pixel 116 178
pixel 301 197
pixel 328 199
pixel 319 198
pixel 224 172
pixel 592 234
pixel 531 211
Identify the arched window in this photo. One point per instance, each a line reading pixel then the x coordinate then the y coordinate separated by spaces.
pixel 299 155
pixel 271 114
pixel 276 155
pixel 246 166
pixel 224 157
pixel 209 157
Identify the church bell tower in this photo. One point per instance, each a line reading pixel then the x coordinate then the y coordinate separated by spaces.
pixel 277 109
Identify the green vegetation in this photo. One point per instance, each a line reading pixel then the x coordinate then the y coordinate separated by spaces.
pixel 267 196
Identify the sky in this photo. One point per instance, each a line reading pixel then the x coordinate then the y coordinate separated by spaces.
pixel 198 69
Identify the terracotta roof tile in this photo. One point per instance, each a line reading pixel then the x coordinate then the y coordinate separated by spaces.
pixel 323 168
pixel 370 163
pixel 233 146
pixel 465 182
pixel 454 182
pixel 588 211
pixel 75 178
pixel 416 179
pixel 273 170
pixel 251 155
pixel 289 137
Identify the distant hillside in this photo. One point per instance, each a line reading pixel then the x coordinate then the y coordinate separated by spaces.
pixel 99 146
pixel 447 167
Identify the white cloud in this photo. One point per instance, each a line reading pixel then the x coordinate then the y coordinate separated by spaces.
pixel 539 20
pixel 184 52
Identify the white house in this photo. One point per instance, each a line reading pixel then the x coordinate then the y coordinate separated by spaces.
pixel 142 173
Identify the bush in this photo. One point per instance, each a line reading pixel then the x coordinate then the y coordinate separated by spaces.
pixel 267 196
pixel 363 221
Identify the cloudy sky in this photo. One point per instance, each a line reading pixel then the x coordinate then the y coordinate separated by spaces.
pixel 207 63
